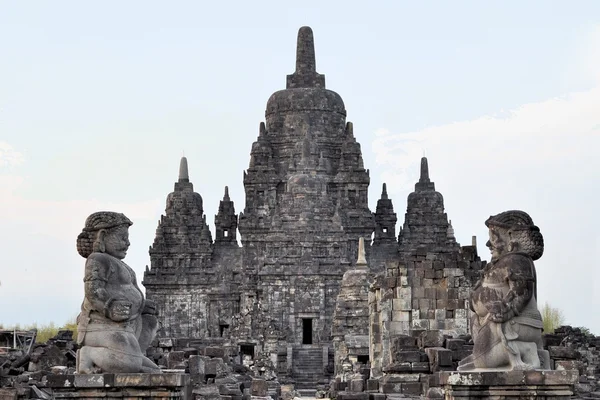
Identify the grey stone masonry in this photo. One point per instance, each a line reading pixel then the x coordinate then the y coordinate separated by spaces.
pixel 351 318
pixel 428 284
pixel 306 208
pixel 385 245
pixel 194 296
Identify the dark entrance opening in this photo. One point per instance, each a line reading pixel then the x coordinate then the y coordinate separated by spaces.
pixel 363 359
pixel 307 330
pixel 247 350
pixel 223 329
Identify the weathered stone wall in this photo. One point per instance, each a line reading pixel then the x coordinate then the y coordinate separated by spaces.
pixel 427 286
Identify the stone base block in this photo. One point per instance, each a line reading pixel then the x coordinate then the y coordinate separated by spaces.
pixel 130 386
pixel 508 384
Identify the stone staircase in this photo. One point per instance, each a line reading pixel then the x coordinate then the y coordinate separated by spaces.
pixel 307 367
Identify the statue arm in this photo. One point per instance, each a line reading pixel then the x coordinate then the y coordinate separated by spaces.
pixel 521 285
pixel 96 276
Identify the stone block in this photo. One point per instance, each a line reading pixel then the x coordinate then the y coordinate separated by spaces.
pixel 411 388
pixel 439 358
pixel 230 389
pixel 567 365
pixel 401 304
pixel 390 387
pixel 408 356
pixel 175 359
pixel 398 368
pixel 377 396
pixel 60 380
pixel 258 387
pixel 395 378
pixel 440 314
pixel 403 342
pixel 399 327
pixel 208 392
pixel 420 324
pixel 8 394
pixel 214 352
pixel 401 315
pixel 422 366
pixel 165 342
pixel 453 304
pixel 563 353
pixel 389 282
pixel 353 396
pixel 432 338
pixel 458 355
pixel 454 344
pixel 509 378
pixel 357 385
pixel 372 385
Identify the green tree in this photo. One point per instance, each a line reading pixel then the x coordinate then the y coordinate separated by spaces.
pixel 552 317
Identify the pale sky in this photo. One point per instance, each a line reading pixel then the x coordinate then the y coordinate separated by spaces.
pixel 98 101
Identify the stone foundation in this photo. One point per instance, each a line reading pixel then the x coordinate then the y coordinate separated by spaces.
pixel 507 385
pixel 130 386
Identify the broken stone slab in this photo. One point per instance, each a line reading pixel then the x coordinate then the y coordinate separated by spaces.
pixel 509 384
pixel 258 387
pixel 535 377
pixel 432 338
pixel 564 353
pixel 132 386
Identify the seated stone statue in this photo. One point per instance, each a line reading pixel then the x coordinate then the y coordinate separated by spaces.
pixel 506 324
pixel 116 324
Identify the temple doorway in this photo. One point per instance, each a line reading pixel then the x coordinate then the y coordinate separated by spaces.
pixel 307 330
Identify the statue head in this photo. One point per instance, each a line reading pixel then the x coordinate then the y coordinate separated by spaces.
pixel 513 231
pixel 105 232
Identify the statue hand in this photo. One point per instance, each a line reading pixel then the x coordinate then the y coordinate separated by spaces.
pixel 499 312
pixel 149 308
pixel 119 310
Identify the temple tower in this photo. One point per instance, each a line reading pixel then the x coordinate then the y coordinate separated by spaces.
pixel 427 286
pixel 194 296
pixel 306 208
pixel 385 245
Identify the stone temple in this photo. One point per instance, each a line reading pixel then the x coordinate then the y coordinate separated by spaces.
pixel 280 293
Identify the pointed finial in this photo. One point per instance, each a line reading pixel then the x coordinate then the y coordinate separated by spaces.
pixel 183 170
pixel 361 252
pixel 226 195
pixel 306 66
pixel 384 194
pixel 350 129
pixel 305 51
pixel 424 170
pixel 262 129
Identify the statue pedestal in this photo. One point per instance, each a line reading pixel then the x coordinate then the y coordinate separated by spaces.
pixel 508 384
pixel 130 386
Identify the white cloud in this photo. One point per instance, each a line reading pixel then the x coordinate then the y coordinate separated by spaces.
pixel 9 157
pixel 541 158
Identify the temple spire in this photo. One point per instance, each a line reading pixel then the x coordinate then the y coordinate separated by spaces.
pixel 424 183
pixel 226 195
pixel 305 52
pixel 183 170
pixel 384 194
pixel 424 170
pixel 361 261
pixel 306 75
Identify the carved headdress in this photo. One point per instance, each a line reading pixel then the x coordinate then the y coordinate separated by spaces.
pixel 87 241
pixel 522 231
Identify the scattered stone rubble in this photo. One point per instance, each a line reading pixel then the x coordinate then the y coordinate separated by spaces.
pixel 216 371
pixel 417 357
